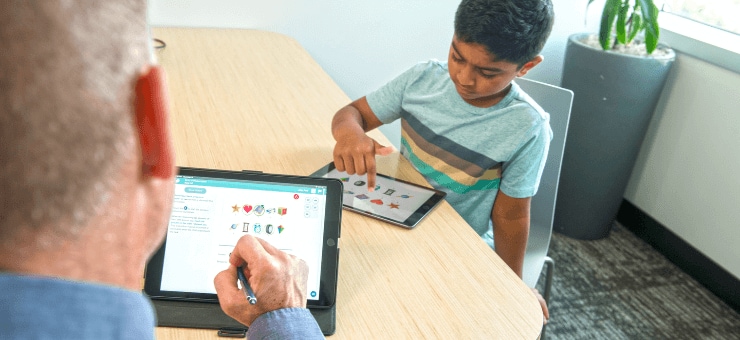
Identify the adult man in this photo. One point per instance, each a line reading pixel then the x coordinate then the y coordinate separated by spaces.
pixel 86 177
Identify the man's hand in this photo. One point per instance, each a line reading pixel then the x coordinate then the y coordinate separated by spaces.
pixel 277 278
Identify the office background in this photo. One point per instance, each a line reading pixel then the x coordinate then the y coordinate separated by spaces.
pixel 686 176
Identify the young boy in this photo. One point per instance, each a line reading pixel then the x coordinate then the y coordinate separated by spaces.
pixel 466 126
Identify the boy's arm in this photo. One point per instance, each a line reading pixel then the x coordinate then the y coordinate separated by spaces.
pixel 510 217
pixel 355 151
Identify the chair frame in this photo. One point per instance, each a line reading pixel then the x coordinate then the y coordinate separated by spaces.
pixel 557 102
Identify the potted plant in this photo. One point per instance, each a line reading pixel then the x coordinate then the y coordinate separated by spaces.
pixel 617 77
pixel 628 19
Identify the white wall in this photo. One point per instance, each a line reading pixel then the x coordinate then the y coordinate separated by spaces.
pixel 685 175
pixel 361 44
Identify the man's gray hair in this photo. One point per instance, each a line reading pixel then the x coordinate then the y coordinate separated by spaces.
pixel 67 75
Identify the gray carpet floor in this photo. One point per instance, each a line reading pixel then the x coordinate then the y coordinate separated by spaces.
pixel 619 287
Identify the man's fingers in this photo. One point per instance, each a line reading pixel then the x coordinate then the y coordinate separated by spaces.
pixel 226 288
pixel 248 249
pixel 269 248
pixel 232 299
pixel 226 279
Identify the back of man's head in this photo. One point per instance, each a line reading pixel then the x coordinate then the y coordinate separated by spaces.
pixel 511 30
pixel 67 74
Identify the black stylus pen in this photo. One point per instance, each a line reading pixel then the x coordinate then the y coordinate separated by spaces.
pixel 245 285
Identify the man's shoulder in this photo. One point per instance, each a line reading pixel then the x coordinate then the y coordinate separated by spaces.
pixel 100 311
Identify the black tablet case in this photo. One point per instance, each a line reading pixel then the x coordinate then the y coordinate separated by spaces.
pixel 191 314
pixel 209 315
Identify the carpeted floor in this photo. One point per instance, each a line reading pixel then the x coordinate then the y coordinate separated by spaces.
pixel 621 288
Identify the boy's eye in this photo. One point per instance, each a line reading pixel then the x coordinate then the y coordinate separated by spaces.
pixel 456 58
pixel 486 75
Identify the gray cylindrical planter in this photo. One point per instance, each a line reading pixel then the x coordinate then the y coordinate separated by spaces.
pixel 614 99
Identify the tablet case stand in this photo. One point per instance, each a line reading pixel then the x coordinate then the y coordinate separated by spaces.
pixel 191 314
pixel 209 315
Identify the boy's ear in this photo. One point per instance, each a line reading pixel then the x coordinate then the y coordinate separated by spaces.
pixel 530 65
pixel 152 122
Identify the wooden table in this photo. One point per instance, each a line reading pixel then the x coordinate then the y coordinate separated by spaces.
pixel 247 99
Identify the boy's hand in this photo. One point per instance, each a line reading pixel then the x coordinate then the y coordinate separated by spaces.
pixel 355 154
pixel 355 151
pixel 543 305
pixel 278 279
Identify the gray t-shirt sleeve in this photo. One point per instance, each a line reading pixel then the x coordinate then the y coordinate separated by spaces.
pixel 387 101
pixel 521 174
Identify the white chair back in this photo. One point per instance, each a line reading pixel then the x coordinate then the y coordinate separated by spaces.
pixel 557 102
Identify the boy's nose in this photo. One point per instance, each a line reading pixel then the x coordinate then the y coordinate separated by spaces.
pixel 465 77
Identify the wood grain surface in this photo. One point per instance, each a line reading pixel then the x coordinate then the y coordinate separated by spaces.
pixel 248 99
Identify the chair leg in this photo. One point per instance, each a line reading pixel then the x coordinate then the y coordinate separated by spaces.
pixel 549 268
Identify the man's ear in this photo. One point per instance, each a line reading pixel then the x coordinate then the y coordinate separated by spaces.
pixel 152 121
pixel 530 65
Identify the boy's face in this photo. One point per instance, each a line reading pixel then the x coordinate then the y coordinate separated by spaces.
pixel 480 80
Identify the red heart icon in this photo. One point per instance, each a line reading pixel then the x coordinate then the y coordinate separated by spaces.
pixel 247 208
pixel 378 202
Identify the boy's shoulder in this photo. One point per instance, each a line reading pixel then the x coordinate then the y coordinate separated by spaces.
pixel 523 99
pixel 431 66
pixel 430 76
pixel 433 63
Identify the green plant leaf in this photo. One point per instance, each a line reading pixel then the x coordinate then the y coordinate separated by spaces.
pixel 637 26
pixel 621 23
pixel 651 42
pixel 652 30
pixel 611 8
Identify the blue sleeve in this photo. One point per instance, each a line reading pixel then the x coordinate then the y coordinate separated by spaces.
pixel 521 174
pixel 386 102
pixel 287 323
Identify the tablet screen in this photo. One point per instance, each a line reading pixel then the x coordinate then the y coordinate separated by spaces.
pixel 393 200
pixel 212 210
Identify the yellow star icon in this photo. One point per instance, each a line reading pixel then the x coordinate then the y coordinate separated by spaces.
pixel 235 208
pixel 393 205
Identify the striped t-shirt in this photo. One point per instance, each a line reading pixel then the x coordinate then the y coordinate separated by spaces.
pixel 466 151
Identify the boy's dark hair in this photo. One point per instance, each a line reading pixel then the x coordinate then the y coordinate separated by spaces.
pixel 511 30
